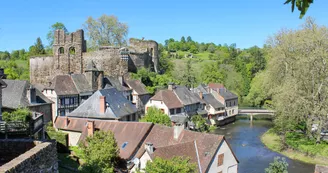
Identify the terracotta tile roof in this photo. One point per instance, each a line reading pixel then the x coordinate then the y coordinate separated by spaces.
pixel 207 144
pixel 131 132
pixel 186 150
pixel 215 86
pixel 169 99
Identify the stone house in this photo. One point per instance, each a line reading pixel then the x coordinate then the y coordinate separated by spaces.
pixel 20 94
pixel 141 142
pixel 177 102
pixel 209 152
pixel 214 108
pixel 140 95
pixel 106 104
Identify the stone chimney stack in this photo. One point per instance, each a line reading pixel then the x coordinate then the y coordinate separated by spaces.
pixel 102 104
pixel 121 79
pixel 177 131
pixel 91 128
pixel 66 121
pixel 201 95
pixel 149 148
pixel 31 94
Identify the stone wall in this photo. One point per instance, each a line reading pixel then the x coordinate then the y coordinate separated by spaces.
pixel 28 156
pixel 46 109
pixel 42 69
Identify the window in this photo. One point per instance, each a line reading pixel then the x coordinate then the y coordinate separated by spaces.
pixel 234 102
pixel 220 159
pixel 178 110
pixel 230 103
pixel 233 111
pixel 171 111
pixel 61 50
pixel 71 101
pixel 62 101
pixel 72 50
pixel 62 113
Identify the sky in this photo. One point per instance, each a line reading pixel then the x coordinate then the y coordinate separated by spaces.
pixel 244 22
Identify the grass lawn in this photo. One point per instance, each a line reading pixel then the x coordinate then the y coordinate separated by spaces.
pixel 67 160
pixel 200 55
pixel 273 142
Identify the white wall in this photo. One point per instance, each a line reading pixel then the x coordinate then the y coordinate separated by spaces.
pixel 51 94
pixel 158 105
pixel 230 164
pixel 143 161
pixel 73 137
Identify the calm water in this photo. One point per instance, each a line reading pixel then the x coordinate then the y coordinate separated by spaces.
pixel 253 156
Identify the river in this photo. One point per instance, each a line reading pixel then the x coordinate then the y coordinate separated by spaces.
pixel 254 157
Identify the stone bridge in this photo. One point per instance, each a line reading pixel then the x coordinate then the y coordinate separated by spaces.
pixel 253 112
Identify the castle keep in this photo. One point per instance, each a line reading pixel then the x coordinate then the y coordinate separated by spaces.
pixel 70 56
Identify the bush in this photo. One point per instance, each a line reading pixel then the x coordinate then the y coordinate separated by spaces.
pixel 21 114
pixel 277 166
pixel 200 123
pixel 156 116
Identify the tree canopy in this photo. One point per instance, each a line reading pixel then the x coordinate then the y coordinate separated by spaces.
pixel 302 5
pixel 156 116
pixel 174 165
pixel 106 31
pixel 52 29
pixel 100 152
pixel 37 48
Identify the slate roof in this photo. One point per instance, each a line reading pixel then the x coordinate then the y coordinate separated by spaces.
pixel 138 86
pixel 115 82
pixel 169 99
pixel 64 85
pixel 180 118
pixel 118 106
pixel 201 88
pixel 210 99
pixel 15 95
pixel 81 83
pixel 131 132
pixel 186 96
pixel 227 95
pixel 162 137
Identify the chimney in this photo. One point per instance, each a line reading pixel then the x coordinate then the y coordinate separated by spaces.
pixel 102 104
pixel 100 80
pixel 91 127
pixel 170 86
pixel 149 147
pixel 121 79
pixel 31 94
pixel 177 131
pixel 66 121
pixel 201 95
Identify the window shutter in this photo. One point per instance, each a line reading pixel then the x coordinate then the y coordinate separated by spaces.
pixel 220 159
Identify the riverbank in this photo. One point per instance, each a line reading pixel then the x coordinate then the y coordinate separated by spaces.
pixel 272 141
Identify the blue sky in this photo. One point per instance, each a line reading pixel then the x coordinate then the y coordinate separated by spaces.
pixel 245 23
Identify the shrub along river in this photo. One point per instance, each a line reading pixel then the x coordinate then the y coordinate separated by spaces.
pixel 244 138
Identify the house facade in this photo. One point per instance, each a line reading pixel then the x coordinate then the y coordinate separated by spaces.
pixel 107 104
pixel 21 94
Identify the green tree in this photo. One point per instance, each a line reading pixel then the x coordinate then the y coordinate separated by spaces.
pixel 211 48
pixel 297 76
pixel 106 30
pixel 52 29
pixel 212 73
pixel 183 40
pixel 189 78
pixel 277 166
pixel 37 48
pixel 189 39
pixel 200 123
pixel 100 152
pixel 156 116
pixel 302 5
pixel 193 49
pixel 174 165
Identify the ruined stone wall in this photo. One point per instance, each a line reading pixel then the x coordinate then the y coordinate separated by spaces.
pixel 41 68
pixel 147 46
pixel 33 156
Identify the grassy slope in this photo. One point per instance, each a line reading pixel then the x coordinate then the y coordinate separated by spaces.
pixel 20 63
pixel 274 143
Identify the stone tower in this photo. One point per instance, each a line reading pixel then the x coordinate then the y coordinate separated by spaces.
pixel 67 50
pixel 94 76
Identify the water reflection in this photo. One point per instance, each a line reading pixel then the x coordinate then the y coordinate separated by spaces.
pixel 254 157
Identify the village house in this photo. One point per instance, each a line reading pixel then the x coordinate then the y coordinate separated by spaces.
pixel 106 104
pixel 21 94
pixel 177 102
pixel 68 91
pixel 140 142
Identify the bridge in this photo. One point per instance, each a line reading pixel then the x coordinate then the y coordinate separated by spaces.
pixel 252 112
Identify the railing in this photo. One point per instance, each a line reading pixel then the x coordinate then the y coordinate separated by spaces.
pixel 20 127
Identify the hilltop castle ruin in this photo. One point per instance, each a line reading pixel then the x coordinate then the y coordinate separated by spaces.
pixel 70 56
